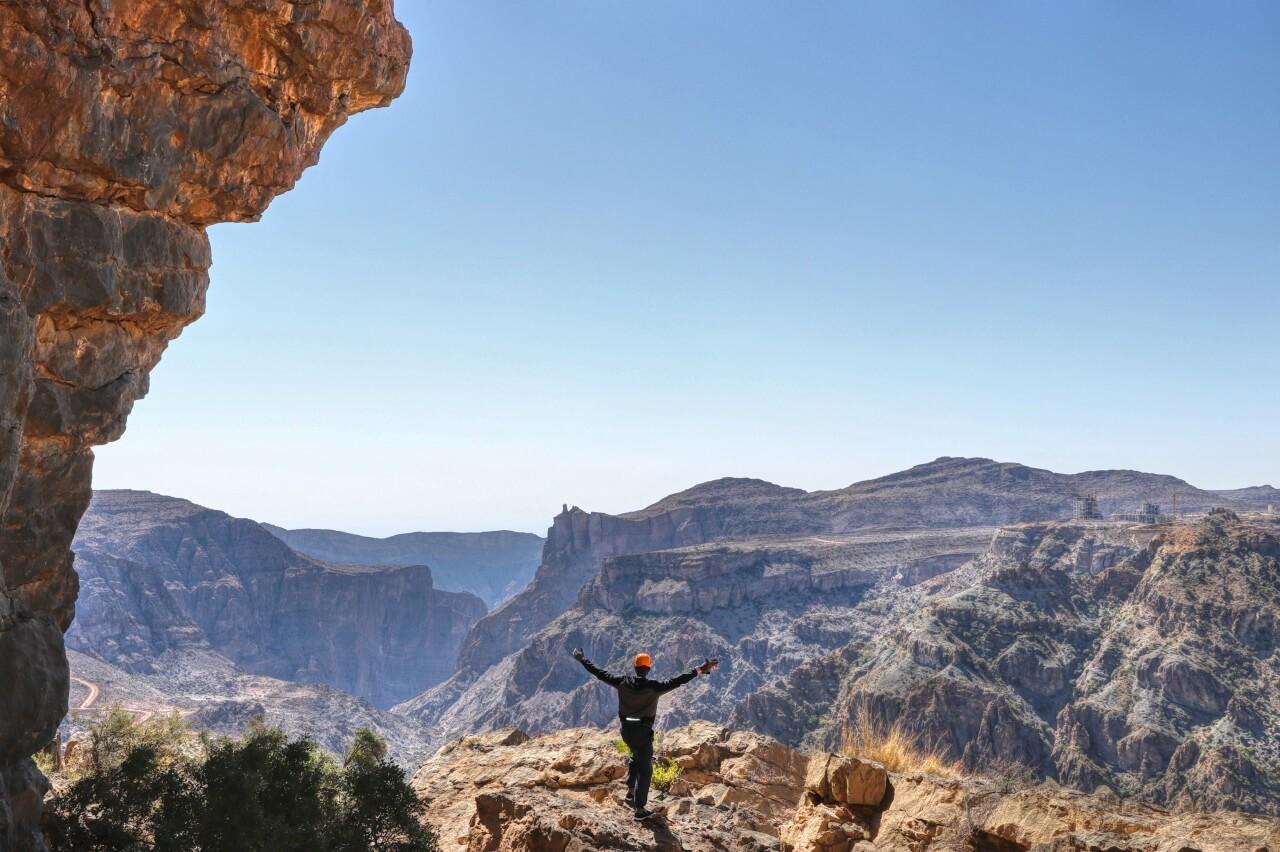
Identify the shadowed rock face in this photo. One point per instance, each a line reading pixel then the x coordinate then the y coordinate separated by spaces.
pixel 125 128
pixel 491 565
pixel 160 574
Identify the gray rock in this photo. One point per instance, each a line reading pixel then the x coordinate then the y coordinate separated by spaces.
pixel 493 566
pixel 160 574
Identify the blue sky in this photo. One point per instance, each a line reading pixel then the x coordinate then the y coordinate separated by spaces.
pixel 599 252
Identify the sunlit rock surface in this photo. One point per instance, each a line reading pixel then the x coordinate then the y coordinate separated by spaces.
pixel 562 792
pixel 794 539
pixel 1139 659
pixel 125 128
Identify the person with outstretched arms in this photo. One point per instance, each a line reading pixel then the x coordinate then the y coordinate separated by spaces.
pixel 637 710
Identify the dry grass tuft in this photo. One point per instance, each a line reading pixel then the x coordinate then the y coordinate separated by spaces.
pixel 894 746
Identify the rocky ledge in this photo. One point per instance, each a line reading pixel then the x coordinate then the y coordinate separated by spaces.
pixel 505 792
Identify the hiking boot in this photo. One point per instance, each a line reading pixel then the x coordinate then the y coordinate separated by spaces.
pixel 644 813
pixel 630 798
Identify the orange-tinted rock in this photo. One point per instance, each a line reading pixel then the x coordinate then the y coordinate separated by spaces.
pixel 204 111
pixel 125 128
pixel 563 791
pixel 846 780
pixel 503 792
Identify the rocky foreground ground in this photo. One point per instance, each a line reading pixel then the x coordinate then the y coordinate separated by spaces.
pixel 503 792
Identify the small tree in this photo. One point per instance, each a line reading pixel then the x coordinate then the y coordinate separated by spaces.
pixel 141 792
pixel 110 740
pixel 265 791
pixel 115 809
pixel 379 812
pixel 368 748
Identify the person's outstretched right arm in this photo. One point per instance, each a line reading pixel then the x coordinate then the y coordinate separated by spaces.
pixel 612 680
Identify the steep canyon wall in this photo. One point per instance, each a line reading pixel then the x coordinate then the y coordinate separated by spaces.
pixel 125 129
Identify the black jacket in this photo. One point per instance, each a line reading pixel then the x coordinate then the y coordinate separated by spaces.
pixel 638 696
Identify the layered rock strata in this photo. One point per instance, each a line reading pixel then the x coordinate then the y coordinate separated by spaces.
pixel 742 513
pixel 946 493
pixel 128 127
pixel 763 607
pixel 161 574
pixel 1137 659
pixel 494 565
pixel 1152 675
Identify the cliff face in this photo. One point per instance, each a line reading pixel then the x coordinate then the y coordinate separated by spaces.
pixel 763 606
pixel 945 493
pixel 577 543
pixel 1138 659
pixel 128 127
pixel 1179 699
pixel 1151 674
pixel 982 664
pixel 491 565
pixel 160 574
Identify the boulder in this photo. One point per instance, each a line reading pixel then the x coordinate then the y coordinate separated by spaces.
pixel 821 827
pixel 846 780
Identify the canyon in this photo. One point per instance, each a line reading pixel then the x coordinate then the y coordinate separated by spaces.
pixel 1064 648
pixel 1126 672
pixel 945 493
pixel 160 575
pixel 1019 638
pixel 1113 662
pixel 493 566
pixel 129 127
pixel 1102 685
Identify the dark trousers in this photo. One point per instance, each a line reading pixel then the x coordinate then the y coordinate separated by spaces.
pixel 639 738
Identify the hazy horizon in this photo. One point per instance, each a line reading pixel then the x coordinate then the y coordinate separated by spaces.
pixel 597 255
pixel 546 525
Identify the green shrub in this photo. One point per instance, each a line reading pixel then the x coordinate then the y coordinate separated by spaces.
pixel 44 762
pixel 665 772
pixel 622 747
pixel 109 741
pixel 138 792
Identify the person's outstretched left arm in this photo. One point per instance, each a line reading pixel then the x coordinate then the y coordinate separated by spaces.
pixel 681 680
pixel 611 679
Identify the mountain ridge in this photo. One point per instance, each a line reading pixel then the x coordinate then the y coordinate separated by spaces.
pixel 792 589
pixel 160 573
pixel 493 564
pixel 948 492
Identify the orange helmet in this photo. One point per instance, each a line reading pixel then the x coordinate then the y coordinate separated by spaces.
pixel 644 660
